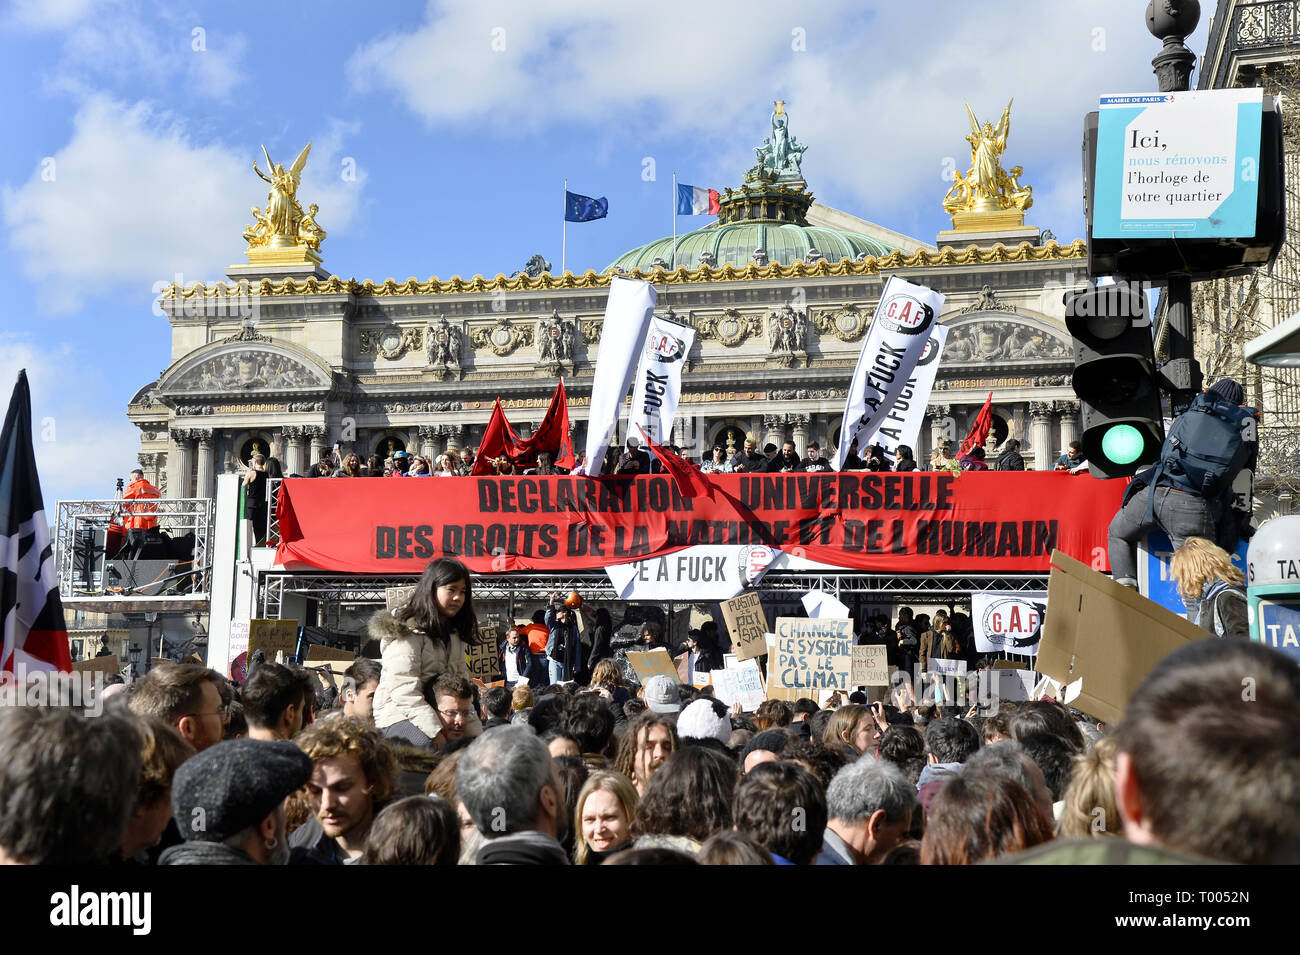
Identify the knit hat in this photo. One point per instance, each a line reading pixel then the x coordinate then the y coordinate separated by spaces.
pixel 1228 390
pixel 661 695
pixel 770 740
pixel 233 785
pixel 700 720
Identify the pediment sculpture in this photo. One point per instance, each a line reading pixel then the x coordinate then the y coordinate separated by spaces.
pixel 251 368
pixel 1001 341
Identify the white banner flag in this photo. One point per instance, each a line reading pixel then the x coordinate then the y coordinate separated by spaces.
pixel 899 334
pixel 903 423
pixel 703 572
pixel 627 317
pixel 659 378
pixel 1010 622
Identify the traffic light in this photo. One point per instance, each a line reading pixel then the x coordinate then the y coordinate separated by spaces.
pixel 1115 378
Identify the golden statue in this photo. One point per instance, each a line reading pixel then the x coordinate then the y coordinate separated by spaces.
pixel 987 190
pixel 283 224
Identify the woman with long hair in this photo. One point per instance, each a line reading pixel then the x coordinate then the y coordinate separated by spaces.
pixel 1211 588
pixel 851 730
pixel 447 466
pixel 602 819
pixel 607 680
pixel 981 815
pixel 351 467
pixel 419 642
pixel 687 800
pixel 374 466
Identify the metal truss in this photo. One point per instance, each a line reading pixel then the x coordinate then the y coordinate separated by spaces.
pixel 272 511
pixel 596 586
pixel 177 516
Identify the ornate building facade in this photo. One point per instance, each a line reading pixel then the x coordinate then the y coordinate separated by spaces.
pixel 286 359
pixel 1253 44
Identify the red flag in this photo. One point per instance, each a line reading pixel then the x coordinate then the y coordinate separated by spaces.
pixel 498 439
pixel 979 431
pixel 35 635
pixel 689 479
pixel 552 435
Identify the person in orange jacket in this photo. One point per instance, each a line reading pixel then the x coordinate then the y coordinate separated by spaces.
pixel 140 516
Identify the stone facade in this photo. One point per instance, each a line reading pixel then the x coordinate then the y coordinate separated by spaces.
pixel 380 367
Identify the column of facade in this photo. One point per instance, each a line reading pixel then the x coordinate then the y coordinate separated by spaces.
pixel 1041 435
pixel 455 437
pixel 773 430
pixel 291 441
pixel 178 473
pixel 1018 423
pixel 939 416
pixel 315 433
pixel 1069 412
pixel 206 485
pixel 428 444
pixel 799 433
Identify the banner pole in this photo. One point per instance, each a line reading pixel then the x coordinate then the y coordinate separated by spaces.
pixel 564 227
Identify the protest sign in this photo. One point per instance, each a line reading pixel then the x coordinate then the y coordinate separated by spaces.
pixel 272 637
pixel 1008 622
pixel 1105 635
pixel 870 666
pixel 484 664
pixel 947 667
pixel 746 623
pixel 329 658
pixel 656 662
pixel 397 597
pixel 812 655
pixel 704 572
pixel 817 603
pixel 103 665
pixel 741 684
pixel 237 662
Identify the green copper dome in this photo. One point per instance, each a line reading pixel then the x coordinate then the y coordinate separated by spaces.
pixel 769 212
pixel 734 244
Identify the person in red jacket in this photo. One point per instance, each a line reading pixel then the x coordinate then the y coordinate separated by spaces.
pixel 140 516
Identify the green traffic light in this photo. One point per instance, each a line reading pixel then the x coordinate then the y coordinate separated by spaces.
pixel 1122 444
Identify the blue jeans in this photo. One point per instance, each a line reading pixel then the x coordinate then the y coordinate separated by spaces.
pixel 1179 514
pixel 555 669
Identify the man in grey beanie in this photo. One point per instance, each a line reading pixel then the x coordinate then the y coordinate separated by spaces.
pixel 228 802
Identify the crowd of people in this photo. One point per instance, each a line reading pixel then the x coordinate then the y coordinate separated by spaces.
pixel 184 768
pixel 410 761
pixel 633 458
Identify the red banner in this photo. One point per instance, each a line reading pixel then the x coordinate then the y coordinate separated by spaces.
pixel 914 522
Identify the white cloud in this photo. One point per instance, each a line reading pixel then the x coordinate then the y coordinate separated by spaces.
pixel 78 454
pixel 48 14
pixel 876 94
pixel 216 70
pixel 134 199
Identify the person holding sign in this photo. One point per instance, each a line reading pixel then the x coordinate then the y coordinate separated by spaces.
pixel 420 641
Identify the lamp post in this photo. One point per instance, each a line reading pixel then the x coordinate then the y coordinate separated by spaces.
pixel 1173 21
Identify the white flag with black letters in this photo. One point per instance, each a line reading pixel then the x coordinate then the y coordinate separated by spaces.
pixel 659 378
pixel 899 334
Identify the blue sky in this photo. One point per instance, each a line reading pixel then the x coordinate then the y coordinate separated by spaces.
pixel 443 132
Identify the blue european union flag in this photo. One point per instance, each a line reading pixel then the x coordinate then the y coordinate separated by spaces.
pixel 584 208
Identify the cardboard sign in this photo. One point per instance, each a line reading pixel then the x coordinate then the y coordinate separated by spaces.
pixel 948 667
pixel 397 597
pixel 105 665
pixel 318 653
pixel 656 662
pixel 741 684
pixel 272 637
pixel 236 669
pixel 870 666
pixel 1105 635
pixel 812 655
pixel 1001 684
pixel 484 664
pixel 746 623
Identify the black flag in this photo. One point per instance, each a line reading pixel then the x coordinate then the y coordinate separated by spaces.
pixel 35 635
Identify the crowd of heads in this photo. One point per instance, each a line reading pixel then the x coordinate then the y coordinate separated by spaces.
pixel 1203 765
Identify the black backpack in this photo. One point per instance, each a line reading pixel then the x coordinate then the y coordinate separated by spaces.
pixel 1207 446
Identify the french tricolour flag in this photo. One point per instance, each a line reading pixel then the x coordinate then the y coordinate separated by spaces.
pixel 694 201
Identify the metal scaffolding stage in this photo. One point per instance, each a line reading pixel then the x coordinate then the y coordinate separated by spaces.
pixel 596 586
pixel 80 539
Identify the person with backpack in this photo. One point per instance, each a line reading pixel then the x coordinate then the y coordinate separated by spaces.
pixel 1188 493
pixel 1211 588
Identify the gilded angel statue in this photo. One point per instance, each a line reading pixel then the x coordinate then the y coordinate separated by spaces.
pixel 986 146
pixel 282 210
